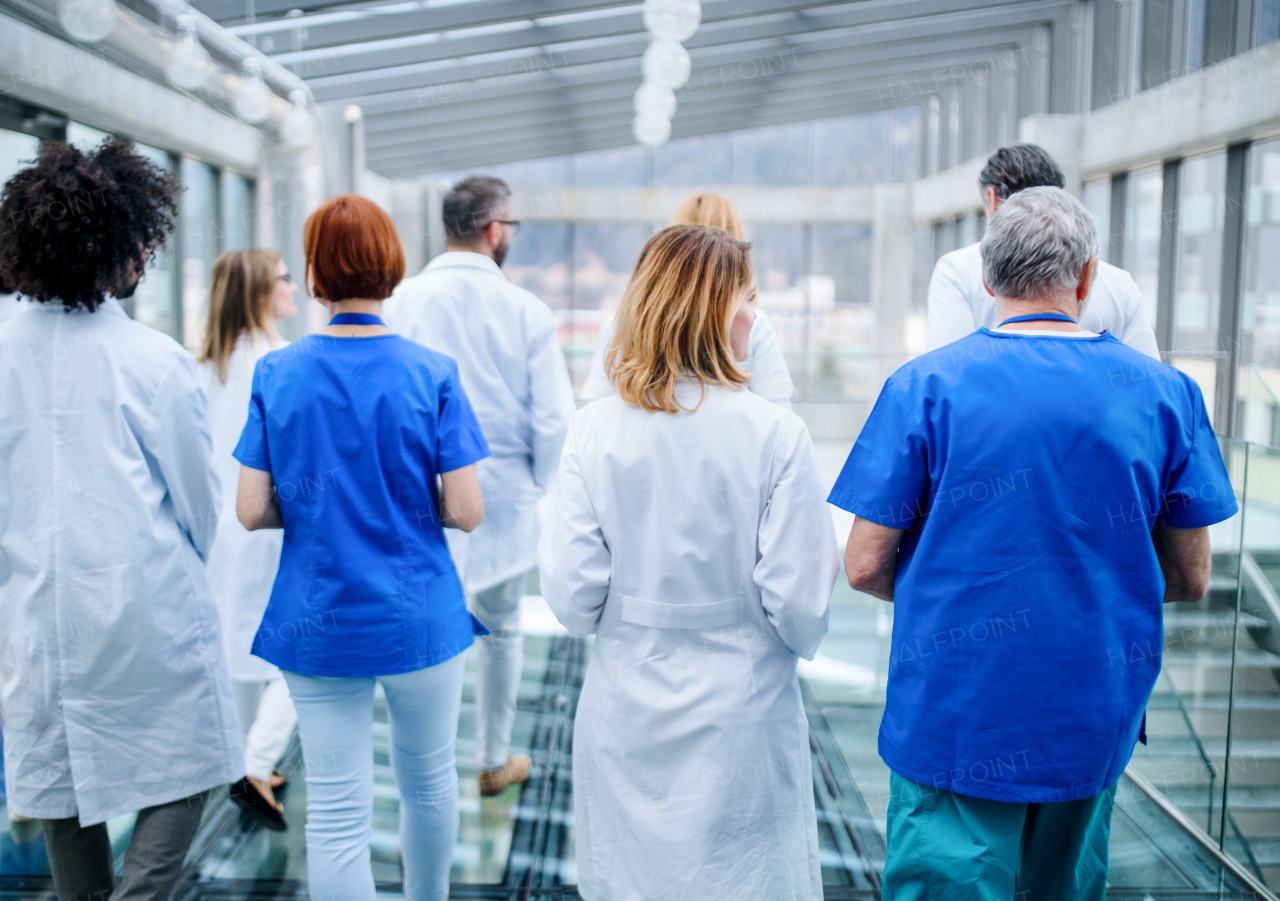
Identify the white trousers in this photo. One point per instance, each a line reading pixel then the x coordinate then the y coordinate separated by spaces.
pixel 335 719
pixel 499 658
pixel 267 719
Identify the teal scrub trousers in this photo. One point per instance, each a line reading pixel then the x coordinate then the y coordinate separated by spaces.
pixel 944 845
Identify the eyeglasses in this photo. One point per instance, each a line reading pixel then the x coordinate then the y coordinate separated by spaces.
pixel 514 223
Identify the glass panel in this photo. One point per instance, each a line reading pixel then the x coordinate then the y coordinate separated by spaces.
pixel 540 261
pixel 692 161
pixel 1195 311
pixel 778 255
pixel 17 151
pixel 906 142
pixel 84 137
pixel 240 203
pixel 1258 381
pixel 854 150
pixel 1142 233
pixel 603 259
pixel 622 166
pixel 1268 22
pixel 202 236
pixel 777 155
pixel 548 173
pixel 1097 199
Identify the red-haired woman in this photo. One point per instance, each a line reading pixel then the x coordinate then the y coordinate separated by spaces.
pixel 348 432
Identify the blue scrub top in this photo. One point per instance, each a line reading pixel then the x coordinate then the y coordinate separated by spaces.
pixel 354 432
pixel 1028 473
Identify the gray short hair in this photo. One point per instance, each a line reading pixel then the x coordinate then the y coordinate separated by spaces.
pixel 1038 243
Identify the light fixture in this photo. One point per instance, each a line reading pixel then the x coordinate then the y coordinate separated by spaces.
pixel 187 65
pixel 298 127
pixel 87 20
pixel 651 130
pixel 672 20
pixel 252 100
pixel 666 64
pixel 655 100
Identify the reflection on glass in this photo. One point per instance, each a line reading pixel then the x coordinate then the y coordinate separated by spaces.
pixel 1195 310
pixel 1142 234
pixel 776 155
pixel 1258 382
pixel 855 150
pixel 1097 200
pixel 692 161
pixel 241 212
pixel 622 166
pixel 202 236
pixel 16 152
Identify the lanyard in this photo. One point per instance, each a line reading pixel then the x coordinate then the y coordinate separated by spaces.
pixel 1036 317
pixel 357 319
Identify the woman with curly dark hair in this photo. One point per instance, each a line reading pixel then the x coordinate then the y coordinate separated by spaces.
pixel 115 690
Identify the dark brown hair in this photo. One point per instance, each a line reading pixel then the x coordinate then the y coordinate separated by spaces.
pixel 76 226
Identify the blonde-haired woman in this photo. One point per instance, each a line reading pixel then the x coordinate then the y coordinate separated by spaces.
pixel 689 533
pixel 248 291
pixel 769 376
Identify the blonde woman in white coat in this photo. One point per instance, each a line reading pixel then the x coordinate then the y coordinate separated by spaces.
pixel 688 532
pixel 248 291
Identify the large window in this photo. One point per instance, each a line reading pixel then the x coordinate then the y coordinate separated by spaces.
pixel 1258 382
pixel 1142 234
pixel 1199 270
pixel 202 237
pixel 1097 199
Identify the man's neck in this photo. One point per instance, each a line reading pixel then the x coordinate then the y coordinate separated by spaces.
pixel 1008 307
pixel 483 249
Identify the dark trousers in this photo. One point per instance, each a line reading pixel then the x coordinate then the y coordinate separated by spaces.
pixel 80 856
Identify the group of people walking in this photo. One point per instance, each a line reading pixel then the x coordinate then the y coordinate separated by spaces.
pixel 196 556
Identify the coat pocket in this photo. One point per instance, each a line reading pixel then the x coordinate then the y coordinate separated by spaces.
pixel 657 615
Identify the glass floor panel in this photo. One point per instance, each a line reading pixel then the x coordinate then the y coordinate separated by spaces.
pixel 520 845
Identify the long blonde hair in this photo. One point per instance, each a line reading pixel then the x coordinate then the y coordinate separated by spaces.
pixel 240 288
pixel 710 210
pixel 673 321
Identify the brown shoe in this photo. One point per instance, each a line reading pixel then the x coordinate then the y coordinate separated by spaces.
pixel 495 782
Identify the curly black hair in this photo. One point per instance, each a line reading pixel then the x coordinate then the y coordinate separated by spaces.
pixel 77 226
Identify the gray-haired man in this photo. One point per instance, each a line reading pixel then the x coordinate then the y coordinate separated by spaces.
pixel 1027 497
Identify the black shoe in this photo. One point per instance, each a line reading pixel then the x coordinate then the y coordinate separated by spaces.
pixel 251 801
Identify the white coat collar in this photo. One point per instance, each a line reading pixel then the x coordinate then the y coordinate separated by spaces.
pixel 109 305
pixel 463 259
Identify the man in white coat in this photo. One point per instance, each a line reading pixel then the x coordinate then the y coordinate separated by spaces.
pixel 513 370
pixel 113 683
pixel 958 302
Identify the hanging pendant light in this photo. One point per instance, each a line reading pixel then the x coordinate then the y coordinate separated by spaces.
pixel 87 20
pixel 666 64
pixel 252 101
pixel 655 100
pixel 298 128
pixel 187 65
pixel 672 20
pixel 651 130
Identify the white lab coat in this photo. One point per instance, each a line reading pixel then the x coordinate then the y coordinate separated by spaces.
pixel 242 564
pixel 11 305
pixel 113 686
pixel 959 305
pixel 513 370
pixel 698 548
pixel 770 377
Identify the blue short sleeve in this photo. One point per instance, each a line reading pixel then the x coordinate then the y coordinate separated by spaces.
pixel 252 450
pixel 886 478
pixel 459 438
pixel 1199 492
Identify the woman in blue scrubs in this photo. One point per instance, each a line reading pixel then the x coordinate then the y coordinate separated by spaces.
pixel 347 434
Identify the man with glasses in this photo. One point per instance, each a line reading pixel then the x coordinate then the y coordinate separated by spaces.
pixel 513 370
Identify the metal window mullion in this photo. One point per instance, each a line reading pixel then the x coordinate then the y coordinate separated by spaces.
pixel 178 254
pixel 1119 206
pixel 1168 270
pixel 1230 294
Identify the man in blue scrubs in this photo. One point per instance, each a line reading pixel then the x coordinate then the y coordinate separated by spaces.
pixel 1027 497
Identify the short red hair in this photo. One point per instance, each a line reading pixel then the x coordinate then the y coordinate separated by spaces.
pixel 352 249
